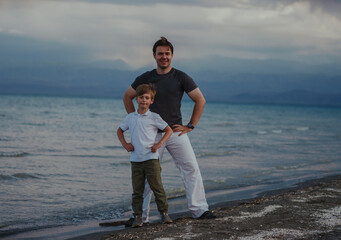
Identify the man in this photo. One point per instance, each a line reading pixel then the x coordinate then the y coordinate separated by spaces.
pixel 170 85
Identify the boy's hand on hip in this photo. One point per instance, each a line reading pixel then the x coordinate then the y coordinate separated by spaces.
pixel 129 147
pixel 182 129
pixel 155 147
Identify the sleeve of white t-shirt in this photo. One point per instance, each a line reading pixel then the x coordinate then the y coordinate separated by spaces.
pixel 125 123
pixel 159 122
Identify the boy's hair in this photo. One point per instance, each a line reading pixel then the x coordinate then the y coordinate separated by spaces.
pixel 146 88
pixel 162 42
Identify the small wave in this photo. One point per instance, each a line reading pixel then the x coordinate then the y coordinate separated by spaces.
pixel 277 131
pixel 213 154
pixel 261 132
pixel 175 193
pixel 93 115
pixel 34 124
pixel 291 167
pixel 303 164
pixel 113 147
pixel 24 175
pixel 18 176
pixel 224 124
pixel 215 184
pixel 257 174
pixel 5 177
pixel 12 154
pixel 125 163
pixel 46 112
pixel 218 180
pixel 89 156
pixel 235 146
pixel 302 128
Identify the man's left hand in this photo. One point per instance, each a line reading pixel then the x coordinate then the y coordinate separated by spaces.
pixel 182 129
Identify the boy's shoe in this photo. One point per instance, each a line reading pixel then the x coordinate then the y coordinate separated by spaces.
pixel 166 219
pixel 137 222
pixel 207 215
pixel 130 222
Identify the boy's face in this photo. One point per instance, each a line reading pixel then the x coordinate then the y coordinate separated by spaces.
pixel 144 100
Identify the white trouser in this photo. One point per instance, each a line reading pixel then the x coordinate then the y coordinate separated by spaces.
pixel 181 150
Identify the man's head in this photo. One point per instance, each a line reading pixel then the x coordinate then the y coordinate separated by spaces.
pixel 145 94
pixel 164 43
pixel 163 55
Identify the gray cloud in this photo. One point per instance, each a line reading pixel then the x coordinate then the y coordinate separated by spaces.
pixel 126 30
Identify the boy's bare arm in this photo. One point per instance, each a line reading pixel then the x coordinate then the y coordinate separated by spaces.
pixel 128 146
pixel 164 139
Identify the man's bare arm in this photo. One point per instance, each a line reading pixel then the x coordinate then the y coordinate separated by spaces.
pixel 199 100
pixel 128 97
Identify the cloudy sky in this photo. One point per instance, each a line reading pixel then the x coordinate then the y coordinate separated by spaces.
pixel 294 30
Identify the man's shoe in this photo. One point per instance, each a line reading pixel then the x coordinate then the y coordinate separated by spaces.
pixel 130 222
pixel 145 221
pixel 207 215
pixel 137 222
pixel 166 219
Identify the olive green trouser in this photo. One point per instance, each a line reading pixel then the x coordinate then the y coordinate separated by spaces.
pixel 150 170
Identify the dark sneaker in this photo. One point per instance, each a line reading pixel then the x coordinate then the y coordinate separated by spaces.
pixel 129 223
pixel 166 219
pixel 137 222
pixel 207 215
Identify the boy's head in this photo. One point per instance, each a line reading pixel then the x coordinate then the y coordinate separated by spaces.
pixel 146 88
pixel 145 94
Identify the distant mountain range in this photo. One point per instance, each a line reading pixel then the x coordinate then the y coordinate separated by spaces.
pixel 294 88
pixel 37 67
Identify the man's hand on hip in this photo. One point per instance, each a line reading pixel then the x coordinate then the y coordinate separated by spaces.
pixel 182 129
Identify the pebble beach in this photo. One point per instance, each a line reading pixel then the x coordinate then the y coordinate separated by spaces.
pixel 310 210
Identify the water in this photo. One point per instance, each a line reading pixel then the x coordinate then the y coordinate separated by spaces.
pixel 61 162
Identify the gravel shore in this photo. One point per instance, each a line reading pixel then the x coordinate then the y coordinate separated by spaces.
pixel 311 210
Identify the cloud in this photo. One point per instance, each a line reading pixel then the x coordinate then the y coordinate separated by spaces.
pixel 258 29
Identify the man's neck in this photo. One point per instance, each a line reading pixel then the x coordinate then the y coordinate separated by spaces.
pixel 162 71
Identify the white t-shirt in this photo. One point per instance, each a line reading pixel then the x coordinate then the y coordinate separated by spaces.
pixel 143 129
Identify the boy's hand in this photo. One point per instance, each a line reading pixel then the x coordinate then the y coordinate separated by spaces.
pixel 129 147
pixel 155 147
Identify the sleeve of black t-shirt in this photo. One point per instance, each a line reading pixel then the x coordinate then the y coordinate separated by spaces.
pixel 140 80
pixel 187 82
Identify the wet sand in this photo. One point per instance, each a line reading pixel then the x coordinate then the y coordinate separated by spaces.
pixel 310 210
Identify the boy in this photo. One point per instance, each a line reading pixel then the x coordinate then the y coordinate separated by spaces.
pixel 143 126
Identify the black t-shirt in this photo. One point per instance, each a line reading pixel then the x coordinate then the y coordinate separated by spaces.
pixel 170 88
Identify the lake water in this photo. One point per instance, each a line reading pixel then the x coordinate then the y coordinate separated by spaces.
pixel 61 162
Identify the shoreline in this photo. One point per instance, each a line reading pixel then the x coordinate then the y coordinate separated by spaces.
pixel 268 211
pixel 92 230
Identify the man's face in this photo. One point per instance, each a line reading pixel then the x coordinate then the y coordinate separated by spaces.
pixel 163 57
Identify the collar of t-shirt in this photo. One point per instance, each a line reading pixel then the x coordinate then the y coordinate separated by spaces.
pixel 144 114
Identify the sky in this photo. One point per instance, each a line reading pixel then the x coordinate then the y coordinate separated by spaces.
pixel 97 30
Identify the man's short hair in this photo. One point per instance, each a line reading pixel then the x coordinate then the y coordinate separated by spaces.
pixel 164 43
pixel 146 88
